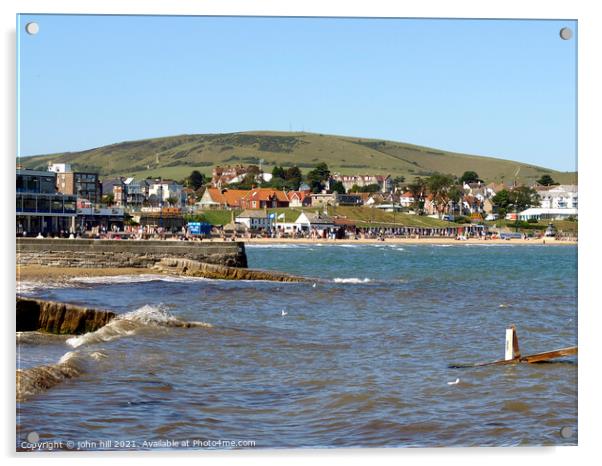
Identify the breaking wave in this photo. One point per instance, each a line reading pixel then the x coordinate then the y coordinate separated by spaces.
pixel 39 338
pixel 352 280
pixel 35 380
pixel 120 279
pixel 131 322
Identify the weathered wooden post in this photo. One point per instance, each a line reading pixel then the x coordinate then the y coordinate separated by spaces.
pixel 512 349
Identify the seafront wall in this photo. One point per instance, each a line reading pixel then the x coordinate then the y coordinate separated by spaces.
pixel 59 318
pixel 200 269
pixel 89 253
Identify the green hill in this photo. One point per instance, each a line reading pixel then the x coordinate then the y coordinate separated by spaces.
pixel 176 156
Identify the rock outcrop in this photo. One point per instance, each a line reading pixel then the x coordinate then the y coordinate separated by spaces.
pixel 200 269
pixel 59 318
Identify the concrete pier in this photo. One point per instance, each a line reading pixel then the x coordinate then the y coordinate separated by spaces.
pixel 90 253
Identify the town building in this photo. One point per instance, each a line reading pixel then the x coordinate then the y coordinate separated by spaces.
pixel 167 218
pixel 136 192
pixel 84 185
pixel 317 222
pixel 165 191
pixel 222 176
pixel 348 199
pixel 349 181
pixel 256 219
pixel 323 199
pixel 548 213
pixel 222 198
pixel 564 196
pixel 260 198
pixel 299 198
pixel 39 207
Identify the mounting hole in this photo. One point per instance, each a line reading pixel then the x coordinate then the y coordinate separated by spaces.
pixel 566 33
pixel 566 432
pixel 32 28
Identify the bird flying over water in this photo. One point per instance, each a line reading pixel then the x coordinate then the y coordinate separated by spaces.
pixel 455 382
pixel 284 313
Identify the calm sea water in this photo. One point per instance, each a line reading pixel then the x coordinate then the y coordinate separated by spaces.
pixel 360 359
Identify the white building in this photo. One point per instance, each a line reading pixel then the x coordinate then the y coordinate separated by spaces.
pixel 543 213
pixel 165 189
pixel 308 221
pixel 59 167
pixel 563 196
pixel 256 219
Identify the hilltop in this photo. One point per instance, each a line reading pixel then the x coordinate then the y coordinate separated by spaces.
pixel 176 156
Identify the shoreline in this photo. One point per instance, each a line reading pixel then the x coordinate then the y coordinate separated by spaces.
pixel 45 273
pixel 449 241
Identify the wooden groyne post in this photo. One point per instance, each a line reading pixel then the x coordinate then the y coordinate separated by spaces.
pixel 513 356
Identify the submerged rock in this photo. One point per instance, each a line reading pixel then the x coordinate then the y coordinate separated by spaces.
pixel 200 269
pixel 59 318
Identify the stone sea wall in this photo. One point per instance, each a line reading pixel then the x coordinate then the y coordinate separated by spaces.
pixel 86 253
pixel 199 269
pixel 59 318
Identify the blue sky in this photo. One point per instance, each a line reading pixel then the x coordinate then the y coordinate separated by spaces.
pixel 500 88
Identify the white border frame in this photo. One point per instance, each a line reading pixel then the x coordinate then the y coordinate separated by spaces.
pixel 590 38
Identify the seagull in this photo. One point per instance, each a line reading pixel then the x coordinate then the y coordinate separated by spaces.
pixel 455 382
pixel 284 313
pixel 314 285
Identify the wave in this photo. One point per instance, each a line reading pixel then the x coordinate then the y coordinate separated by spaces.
pixel 120 279
pixel 130 323
pixel 278 246
pixel 30 287
pixel 35 380
pixel 39 338
pixel 352 280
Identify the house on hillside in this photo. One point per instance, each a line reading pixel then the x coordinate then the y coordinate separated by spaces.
pixel 260 198
pixel 348 199
pixel 323 199
pixel 406 199
pixel 348 181
pixel 564 196
pixel 222 198
pixel 299 198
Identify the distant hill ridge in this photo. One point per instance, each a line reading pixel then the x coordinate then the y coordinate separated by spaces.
pixel 177 156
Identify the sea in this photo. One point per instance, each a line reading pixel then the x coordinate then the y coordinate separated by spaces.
pixel 365 354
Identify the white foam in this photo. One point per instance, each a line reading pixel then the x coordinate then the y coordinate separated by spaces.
pixel 129 323
pixel 31 287
pixel 352 280
pixel 120 279
pixel 278 246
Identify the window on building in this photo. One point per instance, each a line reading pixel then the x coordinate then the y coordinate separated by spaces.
pixel 29 203
pixel 57 205
pixel 43 204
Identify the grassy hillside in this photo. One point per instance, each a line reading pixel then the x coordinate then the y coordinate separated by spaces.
pixel 177 156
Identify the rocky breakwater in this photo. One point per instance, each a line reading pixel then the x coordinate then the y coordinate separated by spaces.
pixel 86 253
pixel 200 269
pixel 59 318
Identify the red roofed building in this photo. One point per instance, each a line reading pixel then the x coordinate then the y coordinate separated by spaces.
pixel 260 198
pixel 299 198
pixel 221 198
